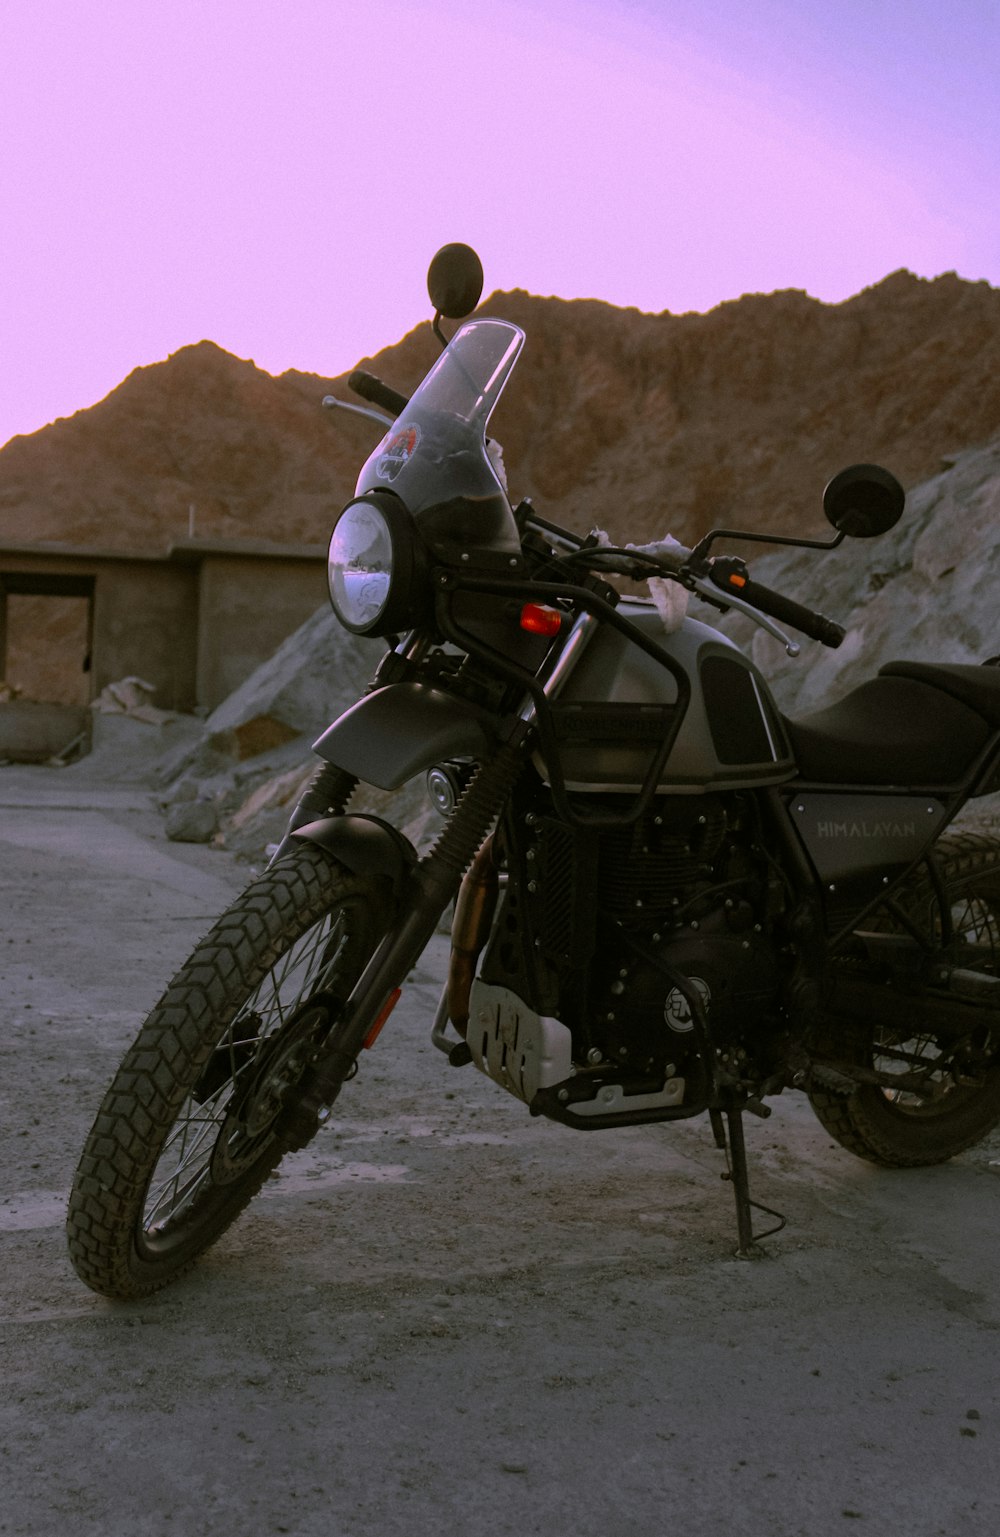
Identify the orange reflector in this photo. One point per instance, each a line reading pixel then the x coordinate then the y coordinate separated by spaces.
pixel 539 620
pixel 735 580
pixel 387 1008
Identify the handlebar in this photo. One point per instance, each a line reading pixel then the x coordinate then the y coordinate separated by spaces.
pixel 369 387
pixel 730 575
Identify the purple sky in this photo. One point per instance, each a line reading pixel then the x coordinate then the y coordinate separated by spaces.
pixel 276 174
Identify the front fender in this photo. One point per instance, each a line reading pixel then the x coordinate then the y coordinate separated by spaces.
pixel 401 730
pixel 364 844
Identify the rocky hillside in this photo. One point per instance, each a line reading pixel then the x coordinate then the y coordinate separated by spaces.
pixel 634 422
pixel 924 592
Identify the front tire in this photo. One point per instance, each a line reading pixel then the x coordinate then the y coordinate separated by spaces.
pixel 896 1129
pixel 185 1136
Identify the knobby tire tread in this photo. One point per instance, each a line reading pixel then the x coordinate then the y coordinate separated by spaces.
pixel 165 1060
pixel 962 857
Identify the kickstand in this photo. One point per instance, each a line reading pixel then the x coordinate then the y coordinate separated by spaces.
pixel 734 1148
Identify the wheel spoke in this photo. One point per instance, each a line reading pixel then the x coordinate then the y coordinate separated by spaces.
pixel 919 1054
pixel 940 1090
pixel 309 965
pixel 187 1153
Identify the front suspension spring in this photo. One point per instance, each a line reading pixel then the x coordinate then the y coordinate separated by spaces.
pixel 441 869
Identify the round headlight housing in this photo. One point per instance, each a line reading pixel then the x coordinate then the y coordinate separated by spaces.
pixel 376 567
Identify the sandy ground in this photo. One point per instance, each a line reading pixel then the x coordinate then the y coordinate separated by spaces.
pixel 446 1317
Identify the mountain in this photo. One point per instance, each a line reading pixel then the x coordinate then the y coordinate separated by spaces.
pixel 631 422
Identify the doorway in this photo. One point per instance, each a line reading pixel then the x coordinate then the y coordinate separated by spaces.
pixel 46 637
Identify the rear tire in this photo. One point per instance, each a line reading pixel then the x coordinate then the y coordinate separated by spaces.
pixel 185 1136
pixel 899 1130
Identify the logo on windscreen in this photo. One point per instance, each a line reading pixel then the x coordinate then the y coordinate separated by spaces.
pixel 398 451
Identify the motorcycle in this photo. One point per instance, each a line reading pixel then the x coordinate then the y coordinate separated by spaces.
pixel 669 900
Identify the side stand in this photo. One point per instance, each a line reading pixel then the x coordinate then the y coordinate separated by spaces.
pixel 735 1150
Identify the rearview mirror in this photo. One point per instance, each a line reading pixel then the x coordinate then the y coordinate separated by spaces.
pixel 863 501
pixel 455 281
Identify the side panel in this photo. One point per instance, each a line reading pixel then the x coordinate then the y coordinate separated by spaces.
pixel 859 844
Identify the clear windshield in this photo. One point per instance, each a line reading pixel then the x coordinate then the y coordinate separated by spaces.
pixel 467 380
pixel 434 456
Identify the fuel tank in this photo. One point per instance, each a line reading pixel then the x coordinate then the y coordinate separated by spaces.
pixel 619 702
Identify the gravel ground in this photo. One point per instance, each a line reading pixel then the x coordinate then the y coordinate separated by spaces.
pixel 446 1317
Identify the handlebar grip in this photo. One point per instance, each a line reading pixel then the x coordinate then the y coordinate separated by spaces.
pixel 371 388
pixel 785 610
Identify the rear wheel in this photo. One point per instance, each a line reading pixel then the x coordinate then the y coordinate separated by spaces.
pixel 898 1128
pixel 185 1136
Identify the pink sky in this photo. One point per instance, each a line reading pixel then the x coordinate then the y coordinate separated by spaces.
pixel 275 174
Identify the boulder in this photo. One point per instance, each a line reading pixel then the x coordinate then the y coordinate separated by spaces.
pixel 926 591
pixel 191 821
pixel 314 675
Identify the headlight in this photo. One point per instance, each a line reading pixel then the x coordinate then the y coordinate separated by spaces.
pixel 376 567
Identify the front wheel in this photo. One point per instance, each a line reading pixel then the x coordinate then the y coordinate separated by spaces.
pixel 897 1128
pixel 186 1136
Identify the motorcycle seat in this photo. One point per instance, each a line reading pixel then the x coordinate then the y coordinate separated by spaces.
pixel 978 687
pixel 899 728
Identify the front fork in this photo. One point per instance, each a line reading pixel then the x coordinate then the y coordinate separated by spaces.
pixel 432 884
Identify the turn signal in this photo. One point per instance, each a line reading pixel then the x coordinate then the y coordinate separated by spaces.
pixel 539 620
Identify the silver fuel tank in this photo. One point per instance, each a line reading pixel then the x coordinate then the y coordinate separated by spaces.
pixel 618 703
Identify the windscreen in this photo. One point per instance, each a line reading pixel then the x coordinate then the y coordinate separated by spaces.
pixel 434 456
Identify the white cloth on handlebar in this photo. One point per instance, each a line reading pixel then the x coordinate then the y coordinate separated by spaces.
pixel 660 548
pixel 671 601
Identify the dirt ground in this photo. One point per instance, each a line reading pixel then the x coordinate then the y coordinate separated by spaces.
pixel 445 1317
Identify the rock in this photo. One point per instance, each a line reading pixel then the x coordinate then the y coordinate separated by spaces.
pixel 925 591
pixel 191 822
pixel 314 675
pixel 125 697
pixel 186 789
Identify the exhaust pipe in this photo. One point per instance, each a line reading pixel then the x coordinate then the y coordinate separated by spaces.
pixel 474 909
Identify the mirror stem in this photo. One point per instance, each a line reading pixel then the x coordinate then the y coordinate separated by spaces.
pixel 701 549
pixel 436 327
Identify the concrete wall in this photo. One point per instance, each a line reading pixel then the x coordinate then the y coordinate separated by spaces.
pixel 146 623
pixel 194 623
pixel 34 733
pixel 246 609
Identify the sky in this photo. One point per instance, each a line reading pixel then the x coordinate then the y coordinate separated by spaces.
pixel 275 175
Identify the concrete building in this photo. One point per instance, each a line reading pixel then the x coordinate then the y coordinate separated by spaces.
pixel 194 622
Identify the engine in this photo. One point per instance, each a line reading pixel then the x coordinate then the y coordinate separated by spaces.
pixel 598 924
